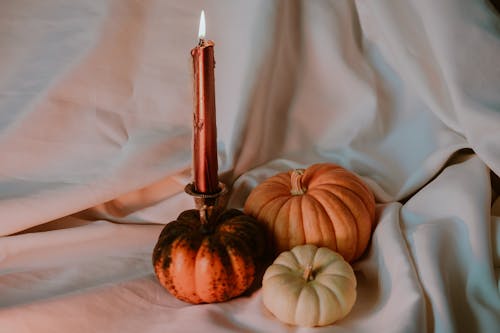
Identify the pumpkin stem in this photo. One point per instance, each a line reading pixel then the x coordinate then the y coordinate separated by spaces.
pixel 203 215
pixel 296 182
pixel 308 273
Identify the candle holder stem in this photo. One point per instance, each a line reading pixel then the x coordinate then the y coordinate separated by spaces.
pixel 208 204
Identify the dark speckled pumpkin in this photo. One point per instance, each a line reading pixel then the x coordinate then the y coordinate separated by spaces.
pixel 208 262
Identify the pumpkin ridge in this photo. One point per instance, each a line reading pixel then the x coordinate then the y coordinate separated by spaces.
pixel 323 269
pixel 325 290
pixel 294 256
pixel 339 218
pixel 363 188
pixel 317 306
pixel 363 235
pixel 272 272
pixel 271 200
pixel 276 182
pixel 228 215
pixel 165 250
pixel 366 190
pixel 235 242
pixel 283 224
pixel 262 194
pixel 342 203
pixel 335 288
pixel 330 226
pixel 172 230
pixel 172 271
pixel 217 272
pixel 344 173
pixel 241 277
pixel 355 193
pixel 319 176
pixel 238 243
pixel 229 275
pixel 221 248
pixel 240 223
pixel 338 260
pixel 195 271
pixel 363 199
pixel 278 179
pixel 277 201
pixel 298 203
pixel 363 185
pixel 370 208
pixel 284 258
pixel 188 216
pixel 321 168
pixel 289 269
pixel 247 231
pixel 346 276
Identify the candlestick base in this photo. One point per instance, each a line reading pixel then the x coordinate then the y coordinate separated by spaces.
pixel 207 203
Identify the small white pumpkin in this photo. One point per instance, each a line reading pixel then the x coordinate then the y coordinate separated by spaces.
pixel 309 286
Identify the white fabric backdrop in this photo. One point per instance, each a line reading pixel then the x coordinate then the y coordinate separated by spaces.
pixel 95 136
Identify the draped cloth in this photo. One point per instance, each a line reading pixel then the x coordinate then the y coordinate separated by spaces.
pixel 95 146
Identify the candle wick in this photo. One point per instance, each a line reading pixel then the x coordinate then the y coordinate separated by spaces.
pixel 201 41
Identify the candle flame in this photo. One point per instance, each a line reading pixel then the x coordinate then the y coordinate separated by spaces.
pixel 201 30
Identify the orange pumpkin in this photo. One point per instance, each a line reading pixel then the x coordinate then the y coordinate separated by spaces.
pixel 207 262
pixel 325 205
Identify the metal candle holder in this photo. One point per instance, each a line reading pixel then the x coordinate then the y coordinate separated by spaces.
pixel 208 203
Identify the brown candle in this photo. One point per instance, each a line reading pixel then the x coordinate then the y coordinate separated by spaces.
pixel 205 166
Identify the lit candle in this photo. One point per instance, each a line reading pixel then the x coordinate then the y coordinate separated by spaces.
pixel 205 166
